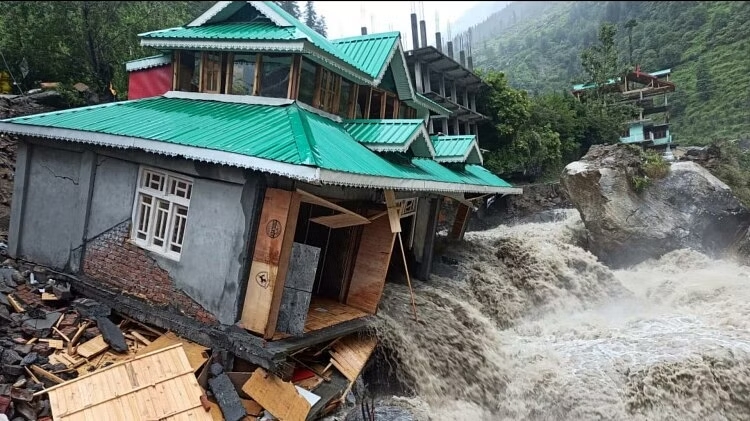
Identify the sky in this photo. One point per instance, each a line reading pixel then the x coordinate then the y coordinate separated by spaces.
pixel 345 18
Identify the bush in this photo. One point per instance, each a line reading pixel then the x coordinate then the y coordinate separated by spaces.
pixel 654 165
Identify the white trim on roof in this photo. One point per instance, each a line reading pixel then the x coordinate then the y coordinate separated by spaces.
pixel 298 172
pixel 256 45
pixel 148 62
pixel 391 54
pixel 311 109
pixel 236 99
pixel 210 13
pixel 369 181
pixel 270 13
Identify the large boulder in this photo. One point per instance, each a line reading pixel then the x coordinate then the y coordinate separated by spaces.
pixel 630 217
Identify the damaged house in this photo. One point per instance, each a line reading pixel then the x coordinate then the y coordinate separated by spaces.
pixel 254 192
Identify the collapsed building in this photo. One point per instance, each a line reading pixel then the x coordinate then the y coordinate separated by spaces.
pixel 255 191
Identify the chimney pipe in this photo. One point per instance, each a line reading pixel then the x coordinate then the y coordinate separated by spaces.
pixel 423 32
pixel 470 63
pixel 450 49
pixel 462 55
pixel 439 41
pixel 364 30
pixel 414 32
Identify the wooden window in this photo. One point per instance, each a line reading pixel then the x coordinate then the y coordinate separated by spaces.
pixel 329 88
pixel 212 73
pixel 188 71
pixel 363 102
pixel 376 104
pixel 307 82
pixel 160 211
pixel 345 96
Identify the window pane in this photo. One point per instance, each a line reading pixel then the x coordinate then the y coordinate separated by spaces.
pixel 275 76
pixel 145 203
pixel 375 104
pixel 346 88
pixel 188 71
pixel 212 73
pixel 178 228
pixel 243 74
pixel 307 82
pixel 160 222
pixel 390 106
pixel 362 99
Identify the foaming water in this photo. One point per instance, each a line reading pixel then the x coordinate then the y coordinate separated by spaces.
pixel 529 326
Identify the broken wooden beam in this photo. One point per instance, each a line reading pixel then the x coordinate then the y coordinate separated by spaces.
pixel 39 371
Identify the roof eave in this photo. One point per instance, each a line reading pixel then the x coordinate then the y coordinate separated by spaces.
pixel 295 46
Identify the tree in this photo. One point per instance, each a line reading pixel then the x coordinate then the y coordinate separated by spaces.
pixel 600 61
pixel 629 26
pixel 291 7
pixel 703 82
pixel 312 20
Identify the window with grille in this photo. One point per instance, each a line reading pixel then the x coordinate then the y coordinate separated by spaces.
pixel 160 211
pixel 329 89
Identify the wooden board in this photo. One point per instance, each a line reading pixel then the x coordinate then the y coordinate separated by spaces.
pixel 394 210
pixel 325 312
pixel 92 347
pixel 371 266
pixel 278 397
pixel 197 355
pixel 316 200
pixel 154 386
pixel 340 220
pixel 264 282
pixel 459 223
pixel 350 354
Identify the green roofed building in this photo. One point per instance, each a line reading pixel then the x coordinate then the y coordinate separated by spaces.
pixel 258 173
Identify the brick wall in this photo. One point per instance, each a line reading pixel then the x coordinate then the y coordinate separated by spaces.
pixel 122 266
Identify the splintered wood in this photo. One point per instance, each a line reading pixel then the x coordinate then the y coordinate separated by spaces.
pixel 324 313
pixel 154 386
pixel 350 354
pixel 93 347
pixel 280 398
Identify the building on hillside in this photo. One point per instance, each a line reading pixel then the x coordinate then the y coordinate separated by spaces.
pixel 449 82
pixel 649 95
pixel 259 176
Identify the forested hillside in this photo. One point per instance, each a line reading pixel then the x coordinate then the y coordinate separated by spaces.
pixel 707 45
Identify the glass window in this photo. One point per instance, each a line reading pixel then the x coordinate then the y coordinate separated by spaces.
pixel 363 100
pixel 346 92
pixel 329 85
pixel 243 74
pixel 376 104
pixel 160 211
pixel 188 71
pixel 307 82
pixel 274 79
pixel 390 106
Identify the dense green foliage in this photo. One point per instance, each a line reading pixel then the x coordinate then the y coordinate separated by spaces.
pixel 707 45
pixel 534 137
pixel 90 41
pixel 729 161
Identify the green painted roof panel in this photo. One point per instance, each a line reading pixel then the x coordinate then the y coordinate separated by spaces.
pixel 284 133
pixel 452 146
pixel 383 132
pixel 369 53
pixel 258 30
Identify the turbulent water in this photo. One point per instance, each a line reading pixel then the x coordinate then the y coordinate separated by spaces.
pixel 522 324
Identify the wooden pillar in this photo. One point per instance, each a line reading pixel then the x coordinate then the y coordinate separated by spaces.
pixel 273 247
pixel 460 222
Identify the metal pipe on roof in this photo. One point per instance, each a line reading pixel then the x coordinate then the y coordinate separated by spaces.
pixel 423 32
pixel 414 32
pixel 470 63
pixel 438 42
pixel 364 30
pixel 450 49
pixel 462 57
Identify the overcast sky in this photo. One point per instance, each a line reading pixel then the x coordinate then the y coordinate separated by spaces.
pixel 345 18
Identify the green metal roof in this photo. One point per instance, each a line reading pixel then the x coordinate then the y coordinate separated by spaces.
pixel 392 135
pixel 260 30
pixel 369 53
pixel 461 148
pixel 431 105
pixel 309 146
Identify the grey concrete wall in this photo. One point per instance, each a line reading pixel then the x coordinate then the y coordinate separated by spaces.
pixel 420 228
pixel 51 206
pixel 214 253
pixel 113 194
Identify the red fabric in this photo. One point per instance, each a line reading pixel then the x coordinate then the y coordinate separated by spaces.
pixel 301 374
pixel 149 82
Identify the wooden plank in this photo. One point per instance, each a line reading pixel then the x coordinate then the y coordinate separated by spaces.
pixel 140 337
pixel 46 296
pixel 253 408
pixel 317 200
pixel 371 266
pixel 294 75
pixel 350 354
pixel 394 210
pixel 340 220
pixel 278 397
pixel 201 71
pixel 459 222
pixel 196 354
pixel 92 347
pixel 258 74
pixel 265 262
pixel 54 343
pixel 318 83
pixel 175 68
pixel 17 307
pixel 39 371
pixel 229 73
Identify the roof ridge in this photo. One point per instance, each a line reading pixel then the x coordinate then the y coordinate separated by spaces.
pixel 302 133
pixel 377 35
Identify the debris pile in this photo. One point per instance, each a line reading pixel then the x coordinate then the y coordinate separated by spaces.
pixel 53 343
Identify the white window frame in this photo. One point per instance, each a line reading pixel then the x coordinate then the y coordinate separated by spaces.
pixel 408 207
pixel 166 191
